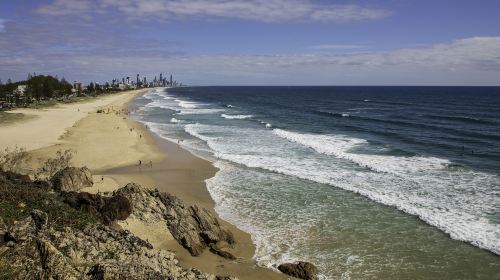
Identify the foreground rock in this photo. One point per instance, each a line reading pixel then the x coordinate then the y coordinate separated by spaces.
pixel 72 179
pixel 302 270
pixel 40 251
pixel 52 235
pixel 193 227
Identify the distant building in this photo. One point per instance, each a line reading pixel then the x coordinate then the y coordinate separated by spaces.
pixel 77 88
pixel 171 79
pixel 122 86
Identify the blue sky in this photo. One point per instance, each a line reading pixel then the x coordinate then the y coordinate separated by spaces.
pixel 255 42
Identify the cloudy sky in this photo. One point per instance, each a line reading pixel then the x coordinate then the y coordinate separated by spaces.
pixel 255 42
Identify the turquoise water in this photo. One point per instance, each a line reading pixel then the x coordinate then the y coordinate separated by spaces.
pixel 367 183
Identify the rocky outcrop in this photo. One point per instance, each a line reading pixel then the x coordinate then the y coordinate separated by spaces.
pixel 110 209
pixel 67 241
pixel 72 179
pixel 40 251
pixel 193 227
pixel 302 270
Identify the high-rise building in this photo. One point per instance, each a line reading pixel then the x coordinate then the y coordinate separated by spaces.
pixel 137 80
pixel 170 79
pixel 161 77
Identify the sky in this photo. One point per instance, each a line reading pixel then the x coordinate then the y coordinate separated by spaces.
pixel 254 42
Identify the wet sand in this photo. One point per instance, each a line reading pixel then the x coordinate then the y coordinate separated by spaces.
pixel 183 174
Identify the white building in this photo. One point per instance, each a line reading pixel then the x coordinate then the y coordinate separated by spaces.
pixel 20 90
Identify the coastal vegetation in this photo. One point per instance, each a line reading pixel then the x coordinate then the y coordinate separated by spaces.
pixel 39 90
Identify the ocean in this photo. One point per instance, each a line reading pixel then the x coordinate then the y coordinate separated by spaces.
pixel 364 182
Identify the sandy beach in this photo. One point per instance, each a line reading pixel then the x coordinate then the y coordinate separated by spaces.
pixel 112 146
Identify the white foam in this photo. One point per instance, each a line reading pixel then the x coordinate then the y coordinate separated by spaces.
pixel 199 111
pixel 188 104
pixel 454 202
pixel 340 145
pixel 236 117
pixel 174 120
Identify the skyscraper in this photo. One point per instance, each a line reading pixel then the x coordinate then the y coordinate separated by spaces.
pixel 170 79
pixel 137 80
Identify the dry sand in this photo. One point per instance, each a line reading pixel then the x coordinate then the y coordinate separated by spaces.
pixel 111 145
pixel 43 127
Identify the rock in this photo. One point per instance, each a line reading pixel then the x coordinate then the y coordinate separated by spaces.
pixel 302 270
pixel 222 253
pixel 193 227
pixel 72 179
pixel 40 218
pixel 3 231
pixel 42 184
pixel 109 209
pixel 95 252
pixel 225 278
pixel 54 262
pixel 116 208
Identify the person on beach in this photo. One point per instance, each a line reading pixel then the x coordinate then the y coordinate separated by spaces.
pixel 140 162
pixel 151 163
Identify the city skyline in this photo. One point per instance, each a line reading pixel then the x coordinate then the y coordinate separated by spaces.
pixel 275 42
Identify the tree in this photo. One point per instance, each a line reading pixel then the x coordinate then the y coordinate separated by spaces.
pixel 12 160
pixel 51 166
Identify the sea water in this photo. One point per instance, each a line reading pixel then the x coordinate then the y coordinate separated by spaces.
pixel 364 182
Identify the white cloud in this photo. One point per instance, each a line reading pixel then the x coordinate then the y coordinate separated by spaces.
pixel 67 7
pixel 2 25
pixel 337 47
pixel 470 61
pixel 257 10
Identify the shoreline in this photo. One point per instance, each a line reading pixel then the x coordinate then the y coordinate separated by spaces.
pixel 183 174
pixel 111 144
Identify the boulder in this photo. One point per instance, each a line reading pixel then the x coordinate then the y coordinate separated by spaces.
pixel 195 228
pixel 109 209
pixel 301 270
pixel 116 208
pixel 72 179
pixel 220 252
